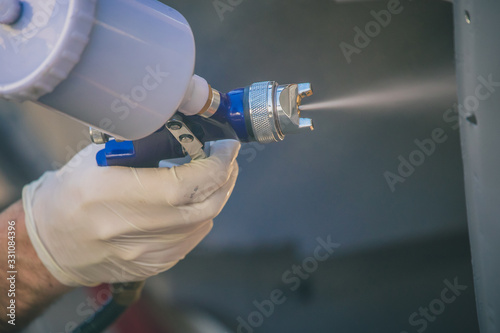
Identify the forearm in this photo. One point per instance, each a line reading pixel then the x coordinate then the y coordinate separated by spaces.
pixel 26 283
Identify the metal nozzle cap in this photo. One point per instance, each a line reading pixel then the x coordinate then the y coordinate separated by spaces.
pixel 274 110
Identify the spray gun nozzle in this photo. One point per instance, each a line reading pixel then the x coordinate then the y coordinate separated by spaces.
pixel 269 111
pixel 274 110
pixel 305 90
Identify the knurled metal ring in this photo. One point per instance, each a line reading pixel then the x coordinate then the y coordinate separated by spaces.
pixel 262 112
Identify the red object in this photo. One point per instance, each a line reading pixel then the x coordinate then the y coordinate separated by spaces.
pixel 137 318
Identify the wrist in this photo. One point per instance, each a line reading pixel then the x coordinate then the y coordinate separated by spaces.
pixel 31 287
pixel 35 235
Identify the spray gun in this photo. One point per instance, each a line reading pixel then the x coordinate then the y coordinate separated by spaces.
pixel 125 69
pixel 263 112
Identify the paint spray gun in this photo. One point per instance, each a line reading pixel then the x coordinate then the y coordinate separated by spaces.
pixel 263 112
pixel 125 68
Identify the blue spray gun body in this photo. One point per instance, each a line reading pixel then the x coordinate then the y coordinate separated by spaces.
pixel 263 112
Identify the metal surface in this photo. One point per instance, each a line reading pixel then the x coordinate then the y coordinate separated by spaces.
pixel 262 114
pixel 274 110
pixel 214 101
pixel 305 90
pixel 478 74
pixel 182 133
pixel 289 98
pixel 98 137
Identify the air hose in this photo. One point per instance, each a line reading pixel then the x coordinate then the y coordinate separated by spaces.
pixel 123 295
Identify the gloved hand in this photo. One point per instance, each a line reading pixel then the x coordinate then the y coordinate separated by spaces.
pixel 91 224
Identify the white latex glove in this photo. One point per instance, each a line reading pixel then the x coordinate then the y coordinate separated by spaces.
pixel 91 224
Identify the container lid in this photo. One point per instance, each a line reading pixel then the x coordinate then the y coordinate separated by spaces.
pixel 42 46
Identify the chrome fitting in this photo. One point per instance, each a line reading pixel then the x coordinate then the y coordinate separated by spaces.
pixel 274 110
pixel 98 137
pixel 212 105
pixel 191 145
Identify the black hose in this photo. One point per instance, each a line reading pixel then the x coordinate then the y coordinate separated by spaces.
pixel 123 295
pixel 104 317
